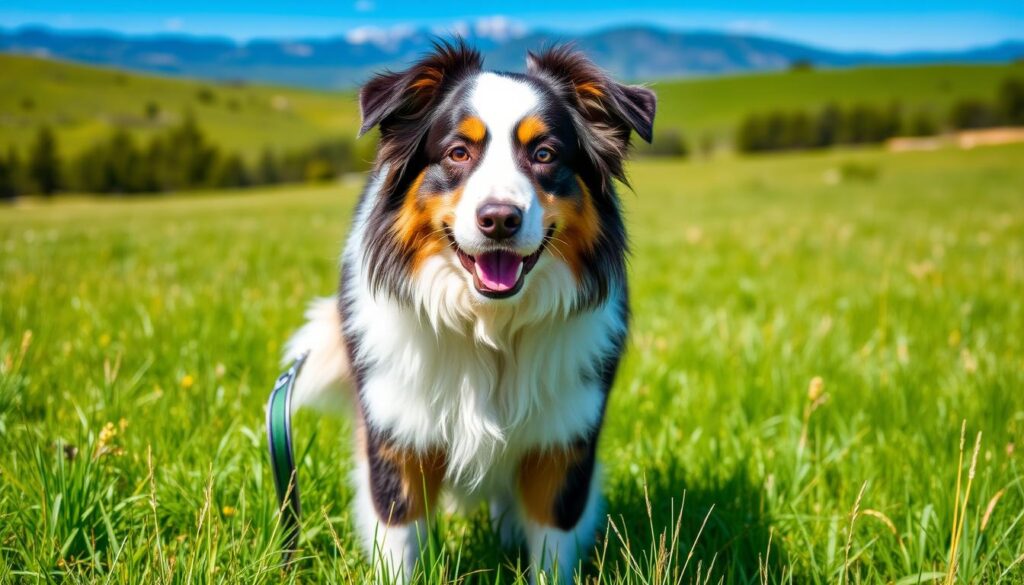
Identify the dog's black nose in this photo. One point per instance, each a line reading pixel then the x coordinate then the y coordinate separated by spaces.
pixel 499 221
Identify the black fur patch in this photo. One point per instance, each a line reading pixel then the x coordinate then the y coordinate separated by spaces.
pixel 386 487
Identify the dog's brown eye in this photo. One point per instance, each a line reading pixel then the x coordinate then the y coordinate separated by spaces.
pixel 544 155
pixel 459 154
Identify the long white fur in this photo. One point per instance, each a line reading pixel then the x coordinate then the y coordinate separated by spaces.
pixel 487 380
pixel 321 382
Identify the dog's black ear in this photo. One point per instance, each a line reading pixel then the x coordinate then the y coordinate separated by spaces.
pixel 600 98
pixel 404 97
pixel 609 110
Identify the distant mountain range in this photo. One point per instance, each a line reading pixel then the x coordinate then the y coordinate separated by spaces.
pixel 636 52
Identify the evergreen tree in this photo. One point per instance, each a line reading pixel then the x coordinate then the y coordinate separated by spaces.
pixel 753 134
pixel 828 126
pixel 229 172
pixel 10 175
pixel 971 113
pixel 269 171
pixel 184 158
pixel 1010 103
pixel 44 164
pixel 116 165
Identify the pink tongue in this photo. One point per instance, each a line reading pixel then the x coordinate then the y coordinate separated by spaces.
pixel 498 271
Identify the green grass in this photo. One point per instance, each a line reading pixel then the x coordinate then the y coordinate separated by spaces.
pixel 896 279
pixel 84 104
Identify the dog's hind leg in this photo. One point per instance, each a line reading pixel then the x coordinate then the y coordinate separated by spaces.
pixel 321 382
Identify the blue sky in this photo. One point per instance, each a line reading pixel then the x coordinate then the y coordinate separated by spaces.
pixel 873 25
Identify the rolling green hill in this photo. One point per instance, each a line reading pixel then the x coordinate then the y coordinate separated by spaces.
pixel 717 104
pixel 84 103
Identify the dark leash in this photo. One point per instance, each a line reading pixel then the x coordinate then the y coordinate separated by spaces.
pixel 282 460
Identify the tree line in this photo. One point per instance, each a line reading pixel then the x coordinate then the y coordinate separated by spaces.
pixel 178 159
pixel 872 124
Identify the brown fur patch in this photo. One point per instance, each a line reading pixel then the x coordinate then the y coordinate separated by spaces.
pixel 421 477
pixel 541 478
pixel 473 129
pixel 420 222
pixel 529 128
pixel 577 226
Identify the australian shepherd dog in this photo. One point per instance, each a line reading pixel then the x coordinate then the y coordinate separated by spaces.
pixel 483 304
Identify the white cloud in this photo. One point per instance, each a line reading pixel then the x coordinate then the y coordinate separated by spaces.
pixel 499 28
pixel 382 37
pixel 174 24
pixel 459 28
pixel 750 26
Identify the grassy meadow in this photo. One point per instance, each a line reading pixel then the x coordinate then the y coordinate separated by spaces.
pixel 85 104
pixel 809 333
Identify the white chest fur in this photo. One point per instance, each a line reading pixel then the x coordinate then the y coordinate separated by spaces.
pixel 484 387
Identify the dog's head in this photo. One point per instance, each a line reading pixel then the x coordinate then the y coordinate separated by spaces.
pixel 489 181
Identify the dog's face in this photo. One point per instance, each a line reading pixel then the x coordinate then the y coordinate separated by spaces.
pixel 500 176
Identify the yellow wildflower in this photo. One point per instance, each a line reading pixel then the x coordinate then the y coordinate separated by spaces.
pixel 815 388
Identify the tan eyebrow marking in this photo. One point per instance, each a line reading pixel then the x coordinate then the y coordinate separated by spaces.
pixel 529 128
pixel 473 128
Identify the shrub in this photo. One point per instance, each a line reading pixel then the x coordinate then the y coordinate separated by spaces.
pixel 860 172
pixel 922 124
pixel 798 65
pixel 206 96
pixel 318 170
pixel 668 142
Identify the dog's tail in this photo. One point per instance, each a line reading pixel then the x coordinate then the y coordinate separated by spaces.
pixel 321 382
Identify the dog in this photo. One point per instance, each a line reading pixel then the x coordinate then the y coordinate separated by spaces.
pixel 483 303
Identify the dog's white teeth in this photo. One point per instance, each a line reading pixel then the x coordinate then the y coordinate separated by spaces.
pixel 519 271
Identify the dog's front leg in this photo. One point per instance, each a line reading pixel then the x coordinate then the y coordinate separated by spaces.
pixel 560 501
pixel 396 490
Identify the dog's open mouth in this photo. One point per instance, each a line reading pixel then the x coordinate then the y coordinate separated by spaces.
pixel 498 274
